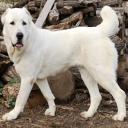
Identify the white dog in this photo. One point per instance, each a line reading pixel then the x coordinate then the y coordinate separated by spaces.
pixel 39 53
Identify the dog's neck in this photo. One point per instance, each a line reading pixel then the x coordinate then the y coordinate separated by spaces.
pixel 15 54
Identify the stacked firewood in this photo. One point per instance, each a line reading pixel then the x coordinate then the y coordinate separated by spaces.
pixel 66 14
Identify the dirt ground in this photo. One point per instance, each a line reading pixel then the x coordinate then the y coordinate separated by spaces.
pixel 68 115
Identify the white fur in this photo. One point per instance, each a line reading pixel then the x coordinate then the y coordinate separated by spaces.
pixel 46 53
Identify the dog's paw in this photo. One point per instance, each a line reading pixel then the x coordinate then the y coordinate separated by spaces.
pixel 119 117
pixel 86 114
pixel 9 116
pixel 50 112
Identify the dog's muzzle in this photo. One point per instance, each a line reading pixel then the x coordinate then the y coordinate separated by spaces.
pixel 19 43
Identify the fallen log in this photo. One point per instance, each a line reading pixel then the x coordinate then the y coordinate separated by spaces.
pixel 40 3
pixel 3 49
pixel 110 3
pixel 66 10
pixel 67 22
pixel 10 75
pixel 21 4
pixel 53 16
pixel 120 45
pixel 74 3
pixel 31 7
pixel 122 72
pixel 125 6
pixel 60 3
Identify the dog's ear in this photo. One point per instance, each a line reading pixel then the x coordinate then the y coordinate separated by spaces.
pixel 3 17
pixel 28 13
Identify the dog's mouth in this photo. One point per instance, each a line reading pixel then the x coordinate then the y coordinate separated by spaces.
pixel 18 45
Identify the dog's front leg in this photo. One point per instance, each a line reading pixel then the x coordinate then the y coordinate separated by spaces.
pixel 46 91
pixel 25 89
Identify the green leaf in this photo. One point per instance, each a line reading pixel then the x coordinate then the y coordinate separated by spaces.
pixel 11 102
pixel 1 84
pixel 16 79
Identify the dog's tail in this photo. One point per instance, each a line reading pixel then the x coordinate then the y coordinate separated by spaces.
pixel 110 23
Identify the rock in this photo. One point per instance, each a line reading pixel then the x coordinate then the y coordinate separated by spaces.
pixel 62 85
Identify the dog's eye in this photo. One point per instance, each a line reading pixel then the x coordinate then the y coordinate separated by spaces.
pixel 24 23
pixel 12 23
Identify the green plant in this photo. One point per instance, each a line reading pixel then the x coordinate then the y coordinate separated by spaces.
pixel 11 102
pixel 16 79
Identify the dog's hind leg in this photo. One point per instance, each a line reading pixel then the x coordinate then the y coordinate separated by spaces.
pixel 47 93
pixel 94 93
pixel 106 78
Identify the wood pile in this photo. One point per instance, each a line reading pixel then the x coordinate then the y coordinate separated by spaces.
pixel 66 14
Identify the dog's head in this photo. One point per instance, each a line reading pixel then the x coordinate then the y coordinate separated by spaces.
pixel 16 23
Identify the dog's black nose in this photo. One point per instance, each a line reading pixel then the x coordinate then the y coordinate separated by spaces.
pixel 19 36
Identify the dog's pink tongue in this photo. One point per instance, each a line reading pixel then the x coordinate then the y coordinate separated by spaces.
pixel 19 45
